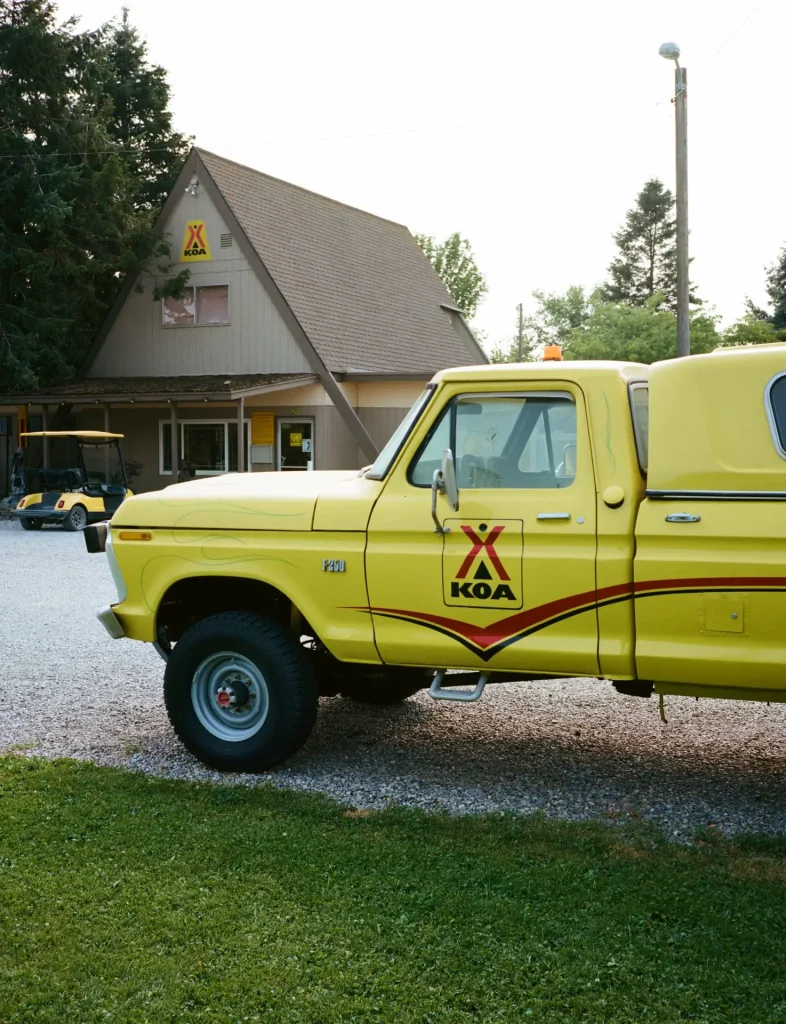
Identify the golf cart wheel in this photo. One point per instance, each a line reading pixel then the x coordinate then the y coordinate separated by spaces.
pixel 76 519
pixel 369 685
pixel 239 693
pixel 31 524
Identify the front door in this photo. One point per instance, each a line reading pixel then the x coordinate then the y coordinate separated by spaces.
pixel 295 444
pixel 510 583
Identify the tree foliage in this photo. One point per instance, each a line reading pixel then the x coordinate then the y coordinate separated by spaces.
pixel 776 289
pixel 752 330
pixel 455 263
pixel 647 243
pixel 140 121
pixel 555 317
pixel 640 334
pixel 74 215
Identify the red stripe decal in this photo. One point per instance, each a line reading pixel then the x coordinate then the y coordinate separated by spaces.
pixel 484 638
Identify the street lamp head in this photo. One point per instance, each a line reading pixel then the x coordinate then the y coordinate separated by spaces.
pixel 670 51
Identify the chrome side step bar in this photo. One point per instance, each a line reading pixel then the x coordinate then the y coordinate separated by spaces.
pixel 440 692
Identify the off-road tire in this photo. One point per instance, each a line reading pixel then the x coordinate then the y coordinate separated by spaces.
pixel 76 519
pixel 31 524
pixel 291 691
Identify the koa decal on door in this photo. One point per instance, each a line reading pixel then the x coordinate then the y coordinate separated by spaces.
pixel 482 563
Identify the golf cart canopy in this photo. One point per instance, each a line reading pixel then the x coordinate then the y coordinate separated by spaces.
pixel 96 436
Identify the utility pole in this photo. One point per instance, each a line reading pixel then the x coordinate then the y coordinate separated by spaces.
pixel 683 269
pixel 672 52
pixel 520 308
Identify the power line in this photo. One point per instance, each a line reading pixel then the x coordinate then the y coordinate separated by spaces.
pixel 741 25
pixel 315 138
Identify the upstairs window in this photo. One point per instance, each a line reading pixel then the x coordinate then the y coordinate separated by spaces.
pixel 197 305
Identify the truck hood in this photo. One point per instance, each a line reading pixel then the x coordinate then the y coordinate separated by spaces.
pixel 256 501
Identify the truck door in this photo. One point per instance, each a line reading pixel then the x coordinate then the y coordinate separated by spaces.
pixel 508 580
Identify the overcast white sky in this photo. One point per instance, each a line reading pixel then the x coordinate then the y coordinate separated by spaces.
pixel 528 126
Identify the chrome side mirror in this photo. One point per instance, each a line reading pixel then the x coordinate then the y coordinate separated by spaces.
pixel 449 485
pixel 444 482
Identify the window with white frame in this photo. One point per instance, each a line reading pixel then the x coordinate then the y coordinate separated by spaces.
pixel 197 305
pixel 210 446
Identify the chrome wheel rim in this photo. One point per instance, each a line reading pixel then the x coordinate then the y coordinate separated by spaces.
pixel 230 696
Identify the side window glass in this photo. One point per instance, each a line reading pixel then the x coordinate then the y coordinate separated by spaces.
pixel 499 441
pixel 421 472
pixel 777 413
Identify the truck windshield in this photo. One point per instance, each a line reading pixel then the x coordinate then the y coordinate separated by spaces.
pixel 388 454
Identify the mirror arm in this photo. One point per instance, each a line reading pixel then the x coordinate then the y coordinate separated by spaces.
pixel 437 487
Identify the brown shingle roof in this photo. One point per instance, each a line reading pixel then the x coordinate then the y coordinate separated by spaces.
pixel 361 287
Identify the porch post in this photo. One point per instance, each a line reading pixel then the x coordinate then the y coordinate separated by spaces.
pixel 106 448
pixel 175 447
pixel 241 441
pixel 45 427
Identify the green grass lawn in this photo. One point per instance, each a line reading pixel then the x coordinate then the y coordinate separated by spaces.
pixel 129 899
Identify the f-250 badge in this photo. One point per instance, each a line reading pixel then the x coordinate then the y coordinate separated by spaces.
pixel 481 563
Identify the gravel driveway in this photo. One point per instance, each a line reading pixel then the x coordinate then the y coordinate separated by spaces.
pixel 572 749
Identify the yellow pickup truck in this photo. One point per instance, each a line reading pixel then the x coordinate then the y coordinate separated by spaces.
pixel 599 519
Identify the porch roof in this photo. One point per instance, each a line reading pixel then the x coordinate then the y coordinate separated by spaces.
pixel 218 387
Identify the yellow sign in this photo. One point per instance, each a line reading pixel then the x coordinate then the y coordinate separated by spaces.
pixel 296 440
pixel 195 244
pixel 262 428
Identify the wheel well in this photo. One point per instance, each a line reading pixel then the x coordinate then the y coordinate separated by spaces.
pixel 198 597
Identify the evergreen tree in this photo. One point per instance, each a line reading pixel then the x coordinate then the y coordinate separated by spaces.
pixel 647 261
pixel 140 120
pixel 70 223
pixel 455 263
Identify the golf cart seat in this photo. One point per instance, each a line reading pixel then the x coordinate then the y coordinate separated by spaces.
pixel 72 478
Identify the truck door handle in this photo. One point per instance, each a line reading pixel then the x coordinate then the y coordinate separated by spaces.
pixel 682 517
pixel 554 515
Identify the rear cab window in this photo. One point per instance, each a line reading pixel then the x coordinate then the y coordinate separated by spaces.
pixel 638 393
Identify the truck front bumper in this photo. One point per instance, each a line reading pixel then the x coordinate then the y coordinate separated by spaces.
pixel 111 623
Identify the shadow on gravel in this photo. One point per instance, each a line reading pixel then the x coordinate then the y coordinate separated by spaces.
pixel 541 760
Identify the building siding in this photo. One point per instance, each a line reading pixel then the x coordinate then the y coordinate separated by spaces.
pixel 380 423
pixel 334 446
pixel 256 341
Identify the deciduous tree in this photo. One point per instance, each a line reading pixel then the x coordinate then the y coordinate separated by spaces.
pixel 555 318
pixel 639 334
pixel 455 263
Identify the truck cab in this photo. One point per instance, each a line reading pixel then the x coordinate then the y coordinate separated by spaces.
pixel 525 521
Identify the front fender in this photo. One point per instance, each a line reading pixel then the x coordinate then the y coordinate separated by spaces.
pixel 334 602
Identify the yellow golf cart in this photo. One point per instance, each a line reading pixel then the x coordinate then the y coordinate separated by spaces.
pixel 91 487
